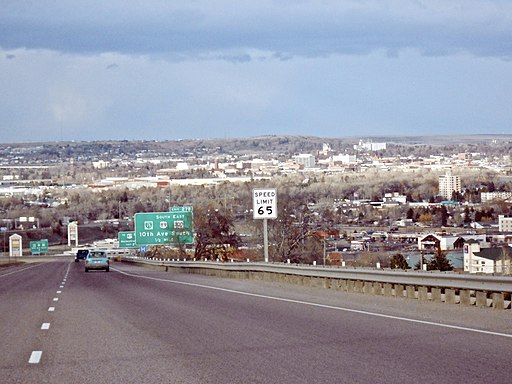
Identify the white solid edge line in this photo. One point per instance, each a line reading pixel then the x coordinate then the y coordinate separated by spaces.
pixel 35 357
pixel 375 314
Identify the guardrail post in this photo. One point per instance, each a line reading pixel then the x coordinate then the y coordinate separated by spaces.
pixel 399 290
pixel 465 296
pixel 377 288
pixel 498 300
pixel 342 285
pixel 449 296
pixel 481 299
pixel 411 291
pixel 436 294
pixel 423 293
pixel 388 289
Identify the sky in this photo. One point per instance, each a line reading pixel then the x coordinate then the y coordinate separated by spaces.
pixel 198 69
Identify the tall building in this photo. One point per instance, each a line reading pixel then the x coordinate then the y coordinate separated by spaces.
pixel 308 161
pixel 449 184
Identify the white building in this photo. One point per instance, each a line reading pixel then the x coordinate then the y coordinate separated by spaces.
pixel 326 149
pixel 495 196
pixel 449 184
pixel 486 260
pixel 504 223
pixel 344 159
pixel 369 146
pixel 100 164
pixel 307 160
pixel 434 241
pixel 395 197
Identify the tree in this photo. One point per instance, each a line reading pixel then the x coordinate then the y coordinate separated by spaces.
pixel 426 218
pixel 398 262
pixel 444 216
pixel 370 259
pixel 215 235
pixel 294 234
pixel 467 216
pixel 439 262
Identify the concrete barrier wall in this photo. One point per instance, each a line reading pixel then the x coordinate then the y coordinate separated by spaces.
pixel 468 297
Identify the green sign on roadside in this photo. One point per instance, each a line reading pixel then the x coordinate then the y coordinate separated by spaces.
pixel 127 239
pixel 159 228
pixel 182 209
pixel 39 246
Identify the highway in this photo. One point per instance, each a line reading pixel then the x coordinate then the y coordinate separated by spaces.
pixel 59 324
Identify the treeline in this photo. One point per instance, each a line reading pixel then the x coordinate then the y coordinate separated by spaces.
pixel 323 193
pixel 308 206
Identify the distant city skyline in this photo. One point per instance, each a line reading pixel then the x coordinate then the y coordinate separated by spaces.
pixel 125 70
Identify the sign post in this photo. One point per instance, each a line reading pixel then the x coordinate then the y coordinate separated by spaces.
pixel 264 206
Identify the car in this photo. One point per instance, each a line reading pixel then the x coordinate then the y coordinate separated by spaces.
pixel 97 260
pixel 81 254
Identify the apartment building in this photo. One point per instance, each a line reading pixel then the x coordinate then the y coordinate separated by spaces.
pixel 306 160
pixel 504 223
pixel 486 260
pixel 449 184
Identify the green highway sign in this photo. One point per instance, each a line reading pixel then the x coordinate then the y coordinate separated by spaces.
pixel 39 246
pixel 126 239
pixel 181 209
pixel 158 228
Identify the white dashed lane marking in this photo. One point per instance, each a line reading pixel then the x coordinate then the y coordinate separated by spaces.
pixel 45 326
pixel 35 357
pixel 51 309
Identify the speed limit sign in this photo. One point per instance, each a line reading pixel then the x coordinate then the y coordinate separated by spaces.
pixel 264 203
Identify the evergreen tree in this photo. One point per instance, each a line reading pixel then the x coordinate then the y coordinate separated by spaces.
pixel 398 262
pixel 467 216
pixel 439 262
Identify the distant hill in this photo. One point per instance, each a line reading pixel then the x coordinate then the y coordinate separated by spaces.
pixel 270 145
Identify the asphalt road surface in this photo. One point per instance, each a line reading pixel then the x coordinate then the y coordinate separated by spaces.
pixel 59 324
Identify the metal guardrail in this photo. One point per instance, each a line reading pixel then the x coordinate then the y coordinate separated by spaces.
pixel 415 278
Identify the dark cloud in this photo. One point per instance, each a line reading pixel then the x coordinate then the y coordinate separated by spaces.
pixel 307 28
pixel 10 56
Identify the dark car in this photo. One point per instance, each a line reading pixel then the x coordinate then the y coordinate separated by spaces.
pixel 81 254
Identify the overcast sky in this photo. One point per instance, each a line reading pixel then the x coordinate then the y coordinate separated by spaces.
pixel 157 69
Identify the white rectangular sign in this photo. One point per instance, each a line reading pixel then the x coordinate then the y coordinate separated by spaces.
pixel 264 203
